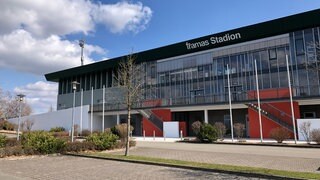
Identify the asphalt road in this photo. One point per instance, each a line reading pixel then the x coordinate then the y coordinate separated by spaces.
pixel 66 167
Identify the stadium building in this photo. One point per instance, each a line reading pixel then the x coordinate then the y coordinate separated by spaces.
pixel 188 81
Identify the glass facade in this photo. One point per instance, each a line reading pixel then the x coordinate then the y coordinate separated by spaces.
pixel 201 78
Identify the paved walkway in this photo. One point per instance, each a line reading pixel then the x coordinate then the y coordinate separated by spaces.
pixel 67 167
pixel 282 158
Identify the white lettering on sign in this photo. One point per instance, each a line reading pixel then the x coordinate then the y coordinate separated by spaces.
pixel 213 40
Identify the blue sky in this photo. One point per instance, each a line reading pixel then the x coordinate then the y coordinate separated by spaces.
pixel 41 37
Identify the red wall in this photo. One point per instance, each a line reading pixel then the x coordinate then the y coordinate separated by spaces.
pixel 269 93
pixel 152 103
pixel 164 114
pixel 267 124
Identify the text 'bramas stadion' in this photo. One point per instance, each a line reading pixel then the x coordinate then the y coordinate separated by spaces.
pixel 213 40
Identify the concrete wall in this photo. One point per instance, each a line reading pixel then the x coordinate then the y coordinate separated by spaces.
pixel 61 118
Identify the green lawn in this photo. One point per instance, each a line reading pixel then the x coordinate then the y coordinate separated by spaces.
pixel 231 168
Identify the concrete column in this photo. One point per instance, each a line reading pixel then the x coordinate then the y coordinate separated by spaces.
pixel 206 116
pixel 118 118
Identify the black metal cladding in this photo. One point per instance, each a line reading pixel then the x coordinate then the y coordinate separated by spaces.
pixel 261 30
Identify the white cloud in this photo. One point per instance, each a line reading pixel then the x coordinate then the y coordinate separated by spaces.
pixel 123 16
pixel 20 51
pixel 40 95
pixel 43 18
pixel 31 31
pixel 61 17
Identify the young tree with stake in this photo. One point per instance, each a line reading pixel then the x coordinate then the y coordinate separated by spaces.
pixel 130 77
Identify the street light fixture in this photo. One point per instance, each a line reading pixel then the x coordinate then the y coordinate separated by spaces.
pixel 81 44
pixel 20 99
pixel 74 87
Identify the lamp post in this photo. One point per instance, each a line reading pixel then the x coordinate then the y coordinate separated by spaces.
pixel 20 99
pixel 81 44
pixel 74 87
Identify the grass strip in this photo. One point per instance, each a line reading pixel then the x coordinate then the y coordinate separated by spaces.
pixel 241 170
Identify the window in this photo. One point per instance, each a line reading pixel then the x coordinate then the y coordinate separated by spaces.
pixel 200 71
pixel 172 77
pixel 153 72
pixel 272 54
pixel 88 82
pixel 226 120
pixel 162 78
pixel 78 80
pixel 104 78
pixel 83 82
pixel 98 80
pixel 299 47
pixel 309 115
pixel 109 73
pixel 64 91
pixel 60 86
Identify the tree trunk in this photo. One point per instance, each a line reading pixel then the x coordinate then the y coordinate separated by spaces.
pixel 128 132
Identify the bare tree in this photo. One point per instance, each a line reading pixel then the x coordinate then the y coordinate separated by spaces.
pixel 130 77
pixel 221 128
pixel 239 129
pixel 305 128
pixel 9 106
pixel 28 124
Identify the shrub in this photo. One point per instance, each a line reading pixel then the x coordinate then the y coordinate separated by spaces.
pixel 221 129
pixel 103 141
pixel 79 146
pixel 11 142
pixel 132 143
pixel 279 134
pixel 6 125
pixel 121 130
pixel 196 127
pixel 11 151
pixel 85 132
pixel 60 134
pixel 107 130
pixel 239 129
pixel 76 130
pixel 57 129
pixel 3 140
pixel 315 135
pixel 42 142
pixel 122 144
pixel 207 133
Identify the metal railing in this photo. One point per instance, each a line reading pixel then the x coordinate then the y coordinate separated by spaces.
pixel 218 98
pixel 152 117
pixel 274 117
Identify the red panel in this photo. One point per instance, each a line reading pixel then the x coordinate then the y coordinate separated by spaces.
pixel 152 103
pixel 269 93
pixel 148 127
pixel 183 128
pixel 267 124
pixel 164 114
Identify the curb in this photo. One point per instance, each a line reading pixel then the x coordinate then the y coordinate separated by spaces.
pixel 255 144
pixel 254 175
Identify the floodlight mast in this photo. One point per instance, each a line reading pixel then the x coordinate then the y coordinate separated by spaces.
pixel 81 44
